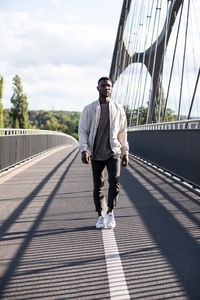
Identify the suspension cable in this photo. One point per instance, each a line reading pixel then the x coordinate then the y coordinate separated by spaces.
pixel 173 60
pixel 193 97
pixel 144 53
pixel 134 66
pixel 130 58
pixel 154 58
pixel 149 15
pixel 163 60
pixel 183 64
pixel 138 80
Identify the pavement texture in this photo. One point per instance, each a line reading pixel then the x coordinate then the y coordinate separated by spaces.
pixel 50 248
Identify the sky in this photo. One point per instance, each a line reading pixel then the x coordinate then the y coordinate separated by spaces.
pixel 139 34
pixel 59 48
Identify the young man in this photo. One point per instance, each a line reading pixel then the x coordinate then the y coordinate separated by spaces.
pixel 103 141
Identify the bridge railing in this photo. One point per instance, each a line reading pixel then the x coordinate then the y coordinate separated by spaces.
pixel 17 145
pixel 172 146
pixel 184 124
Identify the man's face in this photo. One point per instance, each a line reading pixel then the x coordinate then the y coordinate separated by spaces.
pixel 105 88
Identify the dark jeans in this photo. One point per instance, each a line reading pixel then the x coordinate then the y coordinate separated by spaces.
pixel 113 169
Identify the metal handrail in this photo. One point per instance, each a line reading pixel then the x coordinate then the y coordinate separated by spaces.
pixel 18 131
pixel 183 124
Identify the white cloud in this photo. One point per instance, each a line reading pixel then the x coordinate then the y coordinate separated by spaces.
pixel 58 57
pixel 64 87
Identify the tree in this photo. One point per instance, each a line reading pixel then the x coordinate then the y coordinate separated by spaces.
pixel 6 118
pixel 138 116
pixel 169 115
pixel 19 111
pixel 1 104
pixel 64 121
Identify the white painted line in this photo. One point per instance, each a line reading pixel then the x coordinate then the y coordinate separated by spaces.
pixel 116 278
pixel 6 175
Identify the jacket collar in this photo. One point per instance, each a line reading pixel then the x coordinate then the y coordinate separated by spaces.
pixel 97 102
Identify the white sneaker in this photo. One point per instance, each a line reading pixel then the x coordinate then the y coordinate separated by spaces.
pixel 111 221
pixel 100 223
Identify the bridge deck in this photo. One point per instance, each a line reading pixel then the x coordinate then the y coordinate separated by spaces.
pixel 50 248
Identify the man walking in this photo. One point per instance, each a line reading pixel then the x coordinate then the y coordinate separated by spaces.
pixel 103 142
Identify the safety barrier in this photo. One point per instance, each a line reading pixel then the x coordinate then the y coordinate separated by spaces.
pixel 174 150
pixel 17 145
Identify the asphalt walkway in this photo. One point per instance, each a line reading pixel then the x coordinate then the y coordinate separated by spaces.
pixel 50 248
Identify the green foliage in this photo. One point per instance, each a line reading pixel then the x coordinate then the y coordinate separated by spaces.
pixel 139 116
pixel 136 116
pixel 1 104
pixel 169 115
pixel 19 110
pixel 63 121
pixel 19 116
pixel 158 114
pixel 162 114
pixel 7 119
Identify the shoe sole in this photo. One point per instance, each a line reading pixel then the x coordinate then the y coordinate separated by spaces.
pixel 100 227
pixel 111 226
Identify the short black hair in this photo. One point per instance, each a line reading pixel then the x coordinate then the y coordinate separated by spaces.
pixel 104 78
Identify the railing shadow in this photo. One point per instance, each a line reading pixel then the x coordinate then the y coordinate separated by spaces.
pixel 19 210
pixel 179 248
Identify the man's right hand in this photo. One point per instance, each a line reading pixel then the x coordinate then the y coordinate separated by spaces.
pixel 85 157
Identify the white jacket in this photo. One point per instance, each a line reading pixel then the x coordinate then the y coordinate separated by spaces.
pixel 89 122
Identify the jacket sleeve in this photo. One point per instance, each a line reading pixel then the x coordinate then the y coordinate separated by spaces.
pixel 83 130
pixel 122 135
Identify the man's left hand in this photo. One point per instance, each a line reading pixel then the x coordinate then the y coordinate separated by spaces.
pixel 125 160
